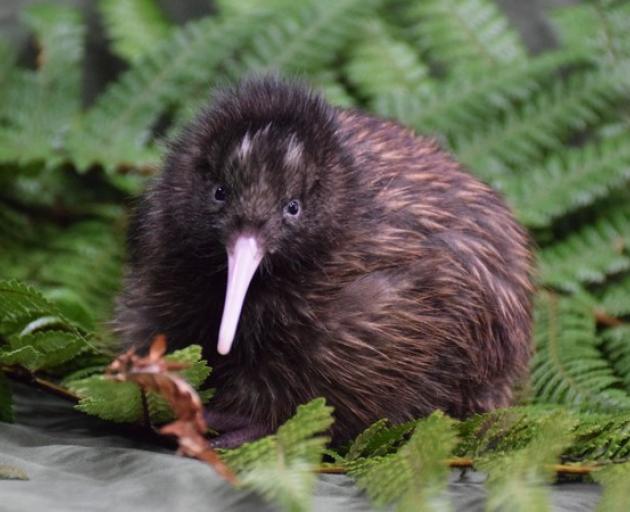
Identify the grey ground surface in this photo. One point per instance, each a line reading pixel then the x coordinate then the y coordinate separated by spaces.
pixel 79 464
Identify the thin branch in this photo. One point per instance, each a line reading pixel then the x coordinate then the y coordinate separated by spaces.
pixel 146 416
pixel 604 318
pixel 578 469
pixel 467 463
pixel 460 462
pixel 142 169
pixel 331 470
pixel 141 433
pixel 22 375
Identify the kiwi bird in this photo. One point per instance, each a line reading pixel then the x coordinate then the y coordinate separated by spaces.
pixel 316 251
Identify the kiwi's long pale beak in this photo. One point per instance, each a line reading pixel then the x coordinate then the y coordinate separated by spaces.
pixel 244 255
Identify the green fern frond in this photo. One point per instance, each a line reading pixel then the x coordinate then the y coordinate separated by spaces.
pixel 133 26
pixel 64 193
pixel 602 438
pixel 416 474
pixel 280 467
pixel 600 29
pixel 379 439
pixel 463 35
pixel 121 402
pixel 305 39
pixel 543 124
pixel 569 180
pixel 379 64
pixel 501 430
pixel 43 104
pixel 615 343
pixel 7 63
pixel 299 38
pixel 229 8
pixel 117 131
pixel 363 440
pixel 59 32
pixel 517 478
pixel 36 334
pixel 24 309
pixel 15 229
pixel 596 437
pixel 591 253
pixel 568 368
pixel 465 104
pixel 42 349
pixel 333 89
pixel 614 480
pixel 78 268
pixel 616 298
pixel 84 271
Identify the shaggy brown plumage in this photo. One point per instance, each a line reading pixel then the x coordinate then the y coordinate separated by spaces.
pixel 400 286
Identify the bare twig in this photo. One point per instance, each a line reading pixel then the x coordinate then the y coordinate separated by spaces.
pixel 23 375
pixel 604 318
pixel 466 463
pixel 143 170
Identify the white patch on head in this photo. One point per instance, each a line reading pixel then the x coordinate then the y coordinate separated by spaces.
pixel 295 149
pixel 245 148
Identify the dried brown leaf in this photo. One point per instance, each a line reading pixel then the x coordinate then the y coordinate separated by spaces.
pixel 154 373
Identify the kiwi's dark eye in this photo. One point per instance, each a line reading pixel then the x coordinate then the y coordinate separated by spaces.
pixel 292 208
pixel 220 193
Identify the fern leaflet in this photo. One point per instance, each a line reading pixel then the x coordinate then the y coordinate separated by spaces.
pixel 134 26
pixel 542 125
pixel 304 41
pixel 280 466
pixel 616 297
pixel 463 105
pixel 415 475
pixel 599 29
pixel 568 368
pixel 122 401
pixel 117 131
pixel 42 104
pixel 591 253
pixel 615 344
pixel 516 478
pixel 614 479
pixel 465 34
pixel 381 64
pixel 569 181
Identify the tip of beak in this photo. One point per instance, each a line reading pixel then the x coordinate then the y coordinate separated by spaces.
pixel 224 345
